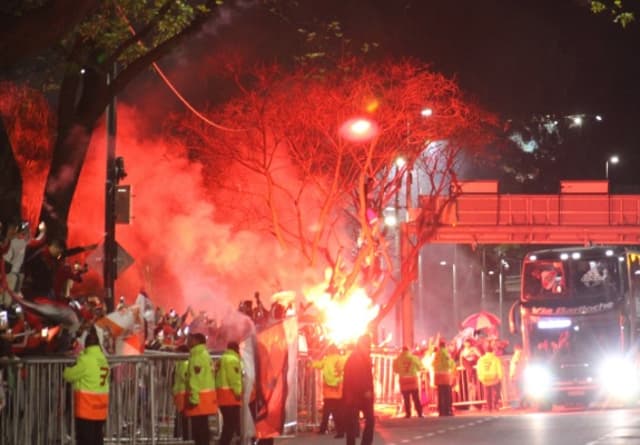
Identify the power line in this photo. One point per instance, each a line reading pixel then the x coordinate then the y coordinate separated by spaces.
pixel 172 87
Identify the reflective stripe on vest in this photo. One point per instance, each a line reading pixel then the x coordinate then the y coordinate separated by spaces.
pixel 208 404
pixel 91 405
pixel 442 378
pixel 408 383
pixel 331 392
pixel 226 397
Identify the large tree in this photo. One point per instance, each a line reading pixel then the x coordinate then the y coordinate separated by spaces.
pixel 78 54
pixel 310 157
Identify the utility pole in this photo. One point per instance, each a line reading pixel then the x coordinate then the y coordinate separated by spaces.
pixel 110 253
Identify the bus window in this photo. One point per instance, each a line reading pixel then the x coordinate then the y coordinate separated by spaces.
pixel 596 278
pixel 544 279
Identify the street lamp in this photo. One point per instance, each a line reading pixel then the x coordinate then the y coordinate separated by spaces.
pixel 359 129
pixel 613 160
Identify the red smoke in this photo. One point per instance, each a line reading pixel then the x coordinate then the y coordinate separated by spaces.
pixel 183 255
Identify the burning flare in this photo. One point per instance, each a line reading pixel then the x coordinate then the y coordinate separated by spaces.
pixel 344 317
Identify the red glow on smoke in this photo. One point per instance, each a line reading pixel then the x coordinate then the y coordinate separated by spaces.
pixel 183 254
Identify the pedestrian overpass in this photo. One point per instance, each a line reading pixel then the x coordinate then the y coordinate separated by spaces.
pixel 583 212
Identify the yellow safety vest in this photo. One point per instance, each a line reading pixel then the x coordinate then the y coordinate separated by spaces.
pixel 407 366
pixel 332 366
pixel 90 380
pixel 201 388
pixel 443 367
pixel 180 384
pixel 229 379
pixel 489 368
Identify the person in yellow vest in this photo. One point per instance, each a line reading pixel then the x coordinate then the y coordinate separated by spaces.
pixel 201 400
pixel 90 379
pixel 443 374
pixel 180 393
pixel 332 366
pixel 489 368
pixel 408 368
pixel 229 388
pixel 516 368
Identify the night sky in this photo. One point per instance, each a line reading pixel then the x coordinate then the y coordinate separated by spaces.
pixel 518 59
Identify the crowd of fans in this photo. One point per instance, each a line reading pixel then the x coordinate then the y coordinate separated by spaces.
pixel 38 313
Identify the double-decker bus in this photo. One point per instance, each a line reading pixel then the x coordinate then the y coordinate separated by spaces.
pixel 578 320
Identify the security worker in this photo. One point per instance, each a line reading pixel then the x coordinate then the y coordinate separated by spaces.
pixel 90 380
pixel 408 368
pixel 489 368
pixel 443 369
pixel 229 389
pixel 179 390
pixel 516 368
pixel 332 366
pixel 201 392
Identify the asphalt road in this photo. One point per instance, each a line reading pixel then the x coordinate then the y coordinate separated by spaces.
pixel 560 427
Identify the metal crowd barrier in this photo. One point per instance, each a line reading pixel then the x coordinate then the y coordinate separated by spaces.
pixel 309 394
pixel 38 404
pixel 467 394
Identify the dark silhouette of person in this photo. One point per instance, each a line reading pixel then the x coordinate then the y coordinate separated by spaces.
pixel 358 392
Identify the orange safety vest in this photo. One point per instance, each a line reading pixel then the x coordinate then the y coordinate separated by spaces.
pixel 229 379
pixel 180 385
pixel 443 367
pixel 90 379
pixel 407 366
pixel 332 367
pixel 200 384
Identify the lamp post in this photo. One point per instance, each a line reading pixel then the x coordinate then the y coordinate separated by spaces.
pixel 503 265
pixel 613 160
pixel 110 247
pixel 454 287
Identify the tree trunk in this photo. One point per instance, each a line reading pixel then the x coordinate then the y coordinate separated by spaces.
pixel 10 180
pixel 77 119
pixel 69 154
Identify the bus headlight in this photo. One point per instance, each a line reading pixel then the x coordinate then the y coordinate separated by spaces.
pixel 619 378
pixel 537 381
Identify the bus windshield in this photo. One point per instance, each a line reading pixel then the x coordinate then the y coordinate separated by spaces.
pixel 595 280
pixel 551 339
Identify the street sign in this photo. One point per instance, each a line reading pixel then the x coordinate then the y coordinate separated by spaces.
pixel 123 259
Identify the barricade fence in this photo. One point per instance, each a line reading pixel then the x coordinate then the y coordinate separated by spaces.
pixel 468 393
pixel 38 404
